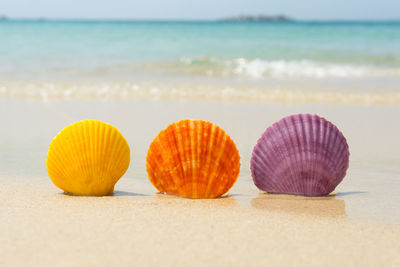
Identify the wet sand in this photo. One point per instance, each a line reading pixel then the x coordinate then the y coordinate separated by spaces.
pixel 39 225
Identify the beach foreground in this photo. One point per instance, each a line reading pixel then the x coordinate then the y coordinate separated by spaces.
pixel 40 225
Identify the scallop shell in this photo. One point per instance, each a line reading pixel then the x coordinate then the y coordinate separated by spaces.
pixel 193 159
pixel 301 154
pixel 88 158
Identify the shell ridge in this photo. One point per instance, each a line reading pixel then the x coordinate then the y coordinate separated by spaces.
pixel 193 152
pixel 164 150
pixel 91 158
pixel 343 149
pixel 179 134
pixel 113 159
pixel 338 161
pixel 210 167
pixel 313 177
pixel 100 145
pixel 317 126
pixel 333 148
pixel 96 143
pixel 55 160
pixel 193 155
pixel 186 155
pixel 84 155
pixel 53 167
pixel 189 153
pixel 281 146
pixel 108 153
pixel 151 163
pixel 314 174
pixel 119 155
pixel 259 161
pixel 230 175
pixel 205 139
pixel 89 132
pixel 257 158
pixel 81 158
pixel 341 162
pixel 317 175
pixel 305 158
pixel 323 162
pixel 93 171
pixel 218 166
pixel 276 153
pixel 177 138
pixel 58 162
pixel 212 159
pixel 325 139
pixel 199 150
pixel 297 145
pixel 71 148
pixel 289 156
pixel 264 145
pixel 108 150
pixel 96 146
pixel 123 149
pixel 167 150
pixel 68 150
pixel 210 142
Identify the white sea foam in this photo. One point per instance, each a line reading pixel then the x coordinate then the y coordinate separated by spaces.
pixel 304 68
pixel 258 68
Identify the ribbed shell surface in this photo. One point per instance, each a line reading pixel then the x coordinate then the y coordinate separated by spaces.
pixel 301 154
pixel 194 159
pixel 87 158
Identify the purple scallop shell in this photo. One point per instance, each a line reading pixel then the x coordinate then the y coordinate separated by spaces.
pixel 301 154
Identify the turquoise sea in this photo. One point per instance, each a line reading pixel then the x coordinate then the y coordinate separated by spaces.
pixel 334 56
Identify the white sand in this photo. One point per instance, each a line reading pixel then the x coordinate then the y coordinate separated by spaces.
pixel 40 226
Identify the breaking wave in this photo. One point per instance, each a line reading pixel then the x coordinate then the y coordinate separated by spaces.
pixel 258 68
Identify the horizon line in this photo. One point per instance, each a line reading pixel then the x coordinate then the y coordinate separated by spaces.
pixel 222 19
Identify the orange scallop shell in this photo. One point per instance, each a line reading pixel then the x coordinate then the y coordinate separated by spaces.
pixel 194 159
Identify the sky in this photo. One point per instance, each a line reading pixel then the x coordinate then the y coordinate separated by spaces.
pixel 201 9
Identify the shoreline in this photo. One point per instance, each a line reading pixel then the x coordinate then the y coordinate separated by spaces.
pixel 215 92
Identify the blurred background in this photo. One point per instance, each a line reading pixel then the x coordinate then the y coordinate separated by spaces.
pixel 269 51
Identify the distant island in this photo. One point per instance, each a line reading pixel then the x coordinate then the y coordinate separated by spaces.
pixel 3 17
pixel 249 18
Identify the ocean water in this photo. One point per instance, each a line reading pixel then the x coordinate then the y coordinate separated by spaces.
pixel 311 61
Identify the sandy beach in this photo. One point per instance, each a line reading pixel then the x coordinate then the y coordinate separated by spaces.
pixel 359 225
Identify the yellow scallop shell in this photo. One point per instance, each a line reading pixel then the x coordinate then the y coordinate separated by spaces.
pixel 193 159
pixel 88 158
